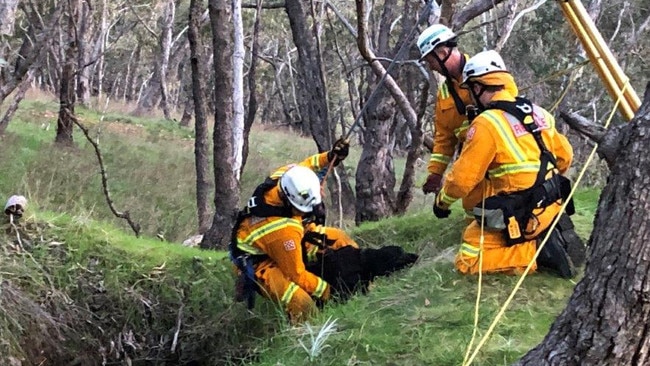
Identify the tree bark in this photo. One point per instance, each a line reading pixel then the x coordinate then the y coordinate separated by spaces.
pixel 312 93
pixel 7 17
pixel 238 87
pixel 311 82
pixel 86 26
pixel 252 84
pixel 226 196
pixel 375 174
pixel 201 143
pixel 606 319
pixel 67 93
pixel 167 26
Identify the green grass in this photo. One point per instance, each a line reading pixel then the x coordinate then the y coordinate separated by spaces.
pixel 86 271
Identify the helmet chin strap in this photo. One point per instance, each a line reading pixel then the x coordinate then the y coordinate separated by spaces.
pixel 441 62
pixel 477 96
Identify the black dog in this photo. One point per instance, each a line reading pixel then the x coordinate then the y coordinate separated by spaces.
pixel 349 270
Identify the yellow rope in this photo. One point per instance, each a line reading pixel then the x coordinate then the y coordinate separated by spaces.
pixel 564 93
pixel 554 75
pixel 480 276
pixel 550 229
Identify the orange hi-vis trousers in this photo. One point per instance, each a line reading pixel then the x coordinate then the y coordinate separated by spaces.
pixel 497 256
pixel 274 285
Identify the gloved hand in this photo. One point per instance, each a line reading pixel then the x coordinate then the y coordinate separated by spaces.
pixel 433 184
pixel 441 213
pixel 315 237
pixel 319 213
pixel 340 150
pixel 440 210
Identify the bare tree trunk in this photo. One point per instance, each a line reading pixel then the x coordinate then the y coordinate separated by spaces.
pixel 252 83
pixel 67 94
pixel 165 49
pixel 312 88
pixel 83 76
pixel 18 97
pixel 375 174
pixel 312 92
pixel 188 105
pixel 7 17
pixel 134 61
pixel 226 196
pixel 238 87
pixel 201 141
pixel 606 319
pixel 99 51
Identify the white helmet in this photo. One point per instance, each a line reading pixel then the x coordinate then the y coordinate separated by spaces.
pixel 302 188
pixel 432 37
pixel 483 63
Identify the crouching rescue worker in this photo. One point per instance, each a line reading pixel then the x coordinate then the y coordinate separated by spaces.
pixel 454 107
pixel 268 243
pixel 516 146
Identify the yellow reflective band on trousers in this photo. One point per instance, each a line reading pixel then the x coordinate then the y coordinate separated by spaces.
pixel 246 244
pixel 469 250
pixel 439 158
pixel 506 136
pixel 288 293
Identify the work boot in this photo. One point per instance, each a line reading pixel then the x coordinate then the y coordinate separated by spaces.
pixel 573 244
pixel 554 258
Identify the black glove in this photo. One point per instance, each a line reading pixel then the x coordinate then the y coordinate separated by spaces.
pixel 441 213
pixel 433 184
pixel 340 150
pixel 316 238
pixel 319 213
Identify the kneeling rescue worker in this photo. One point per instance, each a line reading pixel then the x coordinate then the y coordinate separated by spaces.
pixel 516 146
pixel 268 245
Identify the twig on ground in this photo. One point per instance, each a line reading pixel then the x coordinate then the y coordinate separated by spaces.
pixel 178 327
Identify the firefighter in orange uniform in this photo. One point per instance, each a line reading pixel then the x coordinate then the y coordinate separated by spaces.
pixel 268 245
pixel 515 144
pixel 438 48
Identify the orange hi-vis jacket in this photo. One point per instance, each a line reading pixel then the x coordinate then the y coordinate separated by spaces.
pixel 449 125
pixel 280 239
pixel 499 145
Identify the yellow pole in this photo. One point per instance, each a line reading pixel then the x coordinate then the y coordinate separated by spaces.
pixel 584 18
pixel 596 59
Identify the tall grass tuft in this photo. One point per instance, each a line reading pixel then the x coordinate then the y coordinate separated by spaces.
pixel 314 338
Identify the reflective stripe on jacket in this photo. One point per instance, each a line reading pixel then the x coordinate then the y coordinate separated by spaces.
pixel 449 126
pixel 498 145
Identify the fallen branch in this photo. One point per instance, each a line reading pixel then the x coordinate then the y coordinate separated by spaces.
pixel 123 215
pixel 584 126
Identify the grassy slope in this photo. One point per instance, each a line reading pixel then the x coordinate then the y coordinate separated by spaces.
pixel 423 315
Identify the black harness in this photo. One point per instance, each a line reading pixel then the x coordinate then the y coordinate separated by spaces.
pixel 518 207
pixel 244 261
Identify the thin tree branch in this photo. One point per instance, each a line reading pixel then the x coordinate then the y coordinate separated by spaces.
pixel 142 21
pixel 123 215
pixel 342 18
pixel 471 11
pixel 274 5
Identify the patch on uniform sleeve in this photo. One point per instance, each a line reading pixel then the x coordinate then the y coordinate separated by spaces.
pixel 470 133
pixel 289 245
